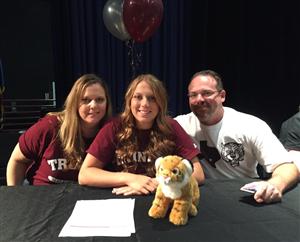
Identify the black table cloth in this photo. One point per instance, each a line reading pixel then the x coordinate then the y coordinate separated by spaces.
pixel 38 213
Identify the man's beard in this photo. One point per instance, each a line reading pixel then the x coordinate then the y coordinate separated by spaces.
pixel 203 113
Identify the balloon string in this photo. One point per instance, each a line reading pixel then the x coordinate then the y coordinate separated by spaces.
pixel 134 57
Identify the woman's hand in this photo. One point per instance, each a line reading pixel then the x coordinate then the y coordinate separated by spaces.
pixel 137 185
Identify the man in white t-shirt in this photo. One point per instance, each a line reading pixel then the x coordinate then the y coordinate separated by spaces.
pixel 232 143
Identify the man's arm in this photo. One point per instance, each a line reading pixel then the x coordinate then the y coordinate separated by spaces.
pixel 283 177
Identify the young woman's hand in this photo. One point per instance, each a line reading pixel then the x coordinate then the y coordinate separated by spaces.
pixel 137 185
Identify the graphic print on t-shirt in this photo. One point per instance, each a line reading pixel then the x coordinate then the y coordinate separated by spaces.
pixel 232 153
pixel 139 163
pixel 210 154
pixel 58 164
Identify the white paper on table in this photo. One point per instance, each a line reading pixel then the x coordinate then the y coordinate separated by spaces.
pixel 109 217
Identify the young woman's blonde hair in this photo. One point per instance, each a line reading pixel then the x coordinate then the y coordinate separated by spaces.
pixel 70 133
pixel 161 141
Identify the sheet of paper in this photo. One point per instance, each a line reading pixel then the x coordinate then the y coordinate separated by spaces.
pixel 110 217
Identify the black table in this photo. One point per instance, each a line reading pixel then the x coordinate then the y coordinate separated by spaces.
pixel 38 213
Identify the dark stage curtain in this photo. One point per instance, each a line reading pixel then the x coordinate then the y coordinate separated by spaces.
pixel 82 44
pixel 254 45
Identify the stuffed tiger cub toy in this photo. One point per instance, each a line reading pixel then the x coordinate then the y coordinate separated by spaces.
pixel 177 188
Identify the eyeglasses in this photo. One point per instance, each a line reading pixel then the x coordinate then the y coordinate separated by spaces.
pixel 204 94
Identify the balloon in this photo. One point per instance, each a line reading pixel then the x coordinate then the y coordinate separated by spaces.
pixel 142 17
pixel 113 19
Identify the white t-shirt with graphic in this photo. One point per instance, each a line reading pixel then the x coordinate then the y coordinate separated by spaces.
pixel 234 146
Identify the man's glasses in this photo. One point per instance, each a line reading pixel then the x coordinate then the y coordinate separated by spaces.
pixel 204 94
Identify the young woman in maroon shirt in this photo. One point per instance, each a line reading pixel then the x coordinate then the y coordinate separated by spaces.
pixel 130 143
pixel 52 150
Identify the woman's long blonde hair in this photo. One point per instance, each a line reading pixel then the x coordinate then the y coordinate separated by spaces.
pixel 161 137
pixel 70 133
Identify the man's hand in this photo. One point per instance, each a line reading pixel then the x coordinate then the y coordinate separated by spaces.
pixel 265 192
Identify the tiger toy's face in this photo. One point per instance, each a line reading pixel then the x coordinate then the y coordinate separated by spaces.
pixel 173 173
pixel 172 170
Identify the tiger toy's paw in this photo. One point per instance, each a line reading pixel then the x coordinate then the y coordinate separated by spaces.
pixel 193 210
pixel 178 218
pixel 157 211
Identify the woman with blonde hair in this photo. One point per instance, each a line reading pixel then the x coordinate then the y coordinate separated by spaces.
pixel 52 150
pixel 123 153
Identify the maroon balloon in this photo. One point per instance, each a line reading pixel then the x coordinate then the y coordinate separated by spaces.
pixel 142 17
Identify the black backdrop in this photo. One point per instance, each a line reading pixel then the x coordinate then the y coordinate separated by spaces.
pixel 254 45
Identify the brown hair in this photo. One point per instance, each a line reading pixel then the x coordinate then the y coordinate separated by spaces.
pixel 161 142
pixel 213 74
pixel 70 132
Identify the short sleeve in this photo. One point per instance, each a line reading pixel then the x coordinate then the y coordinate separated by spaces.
pixel 34 141
pixel 103 146
pixel 185 147
pixel 268 150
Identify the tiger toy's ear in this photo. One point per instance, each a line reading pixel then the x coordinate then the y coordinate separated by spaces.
pixel 158 162
pixel 188 166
